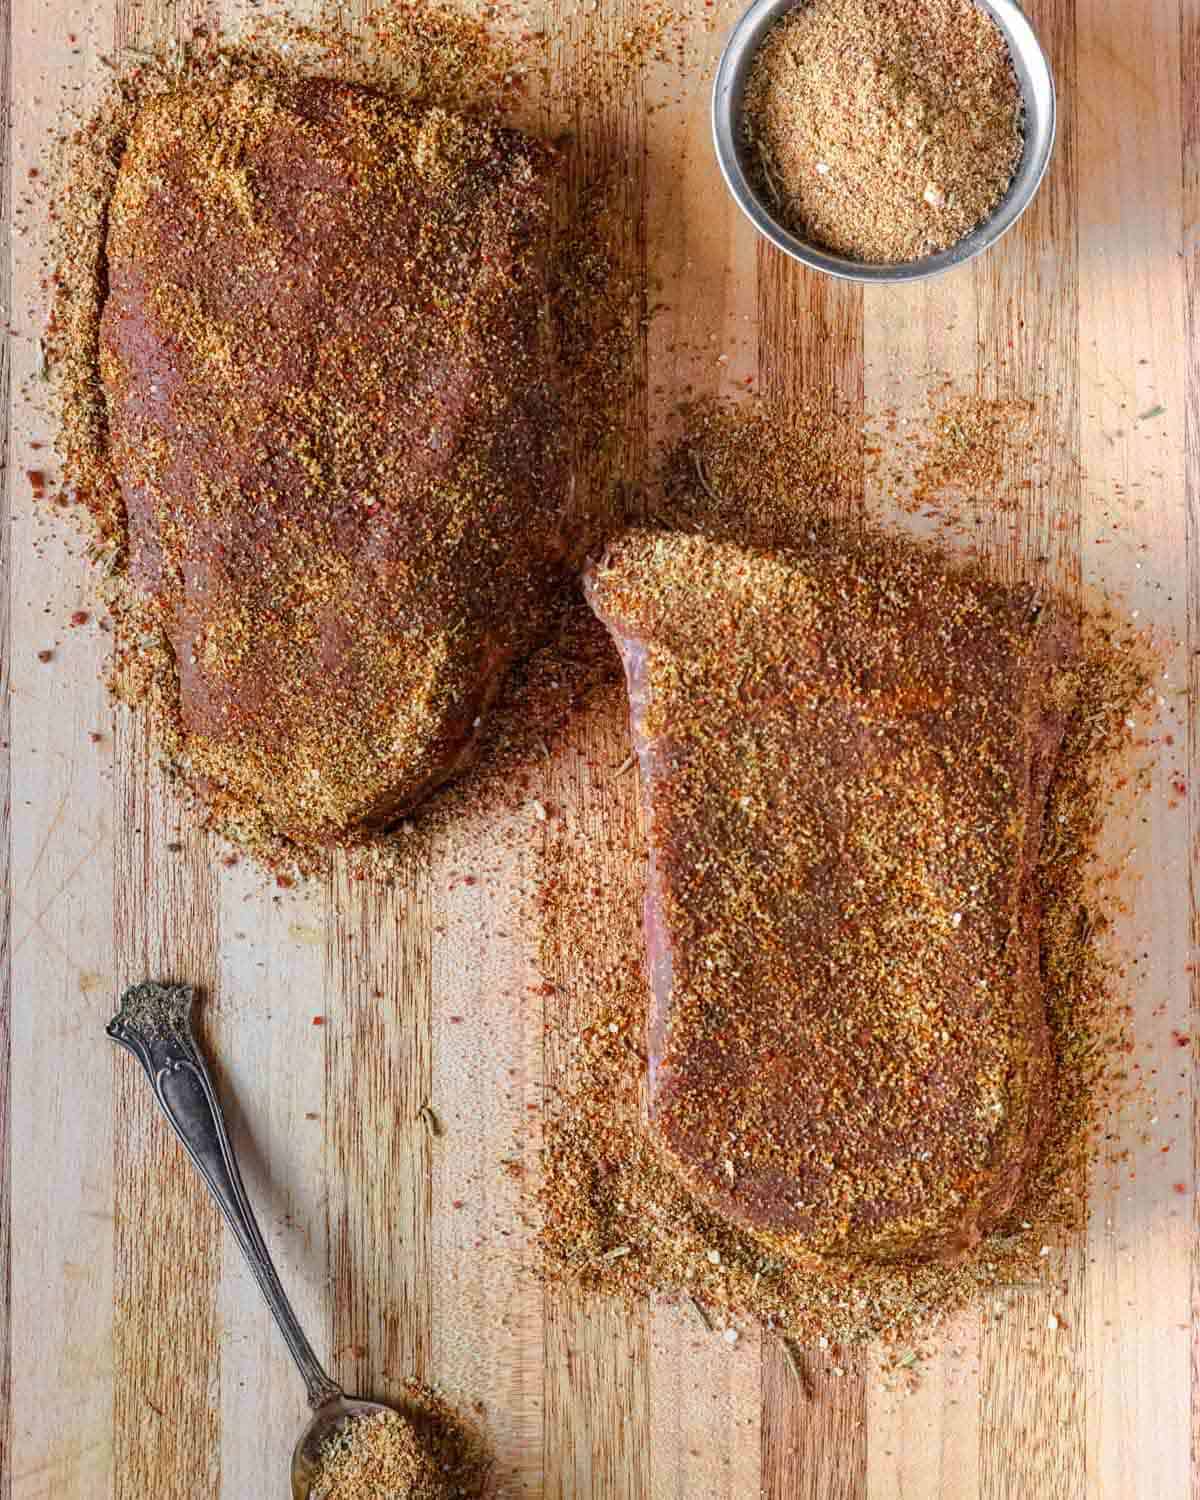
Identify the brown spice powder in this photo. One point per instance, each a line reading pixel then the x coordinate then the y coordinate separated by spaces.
pixel 377 1457
pixel 965 457
pixel 972 439
pixel 883 130
pixel 424 1450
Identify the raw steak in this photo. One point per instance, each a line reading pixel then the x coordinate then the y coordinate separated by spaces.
pixel 845 757
pixel 333 422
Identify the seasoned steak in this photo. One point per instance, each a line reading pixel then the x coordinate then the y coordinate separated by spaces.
pixel 845 757
pixel 332 417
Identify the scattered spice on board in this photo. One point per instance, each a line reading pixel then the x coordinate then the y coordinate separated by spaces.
pixel 422 1452
pixel 972 439
pixel 965 456
pixel 608 1185
pixel 884 130
pixel 762 475
pixel 377 1457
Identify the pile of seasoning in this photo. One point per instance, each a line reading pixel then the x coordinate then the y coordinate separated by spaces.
pixel 883 130
pixel 377 1457
pixel 617 1218
pixel 424 1452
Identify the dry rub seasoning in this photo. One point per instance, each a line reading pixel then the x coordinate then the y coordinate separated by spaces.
pixel 377 1457
pixel 884 130
pixel 423 1452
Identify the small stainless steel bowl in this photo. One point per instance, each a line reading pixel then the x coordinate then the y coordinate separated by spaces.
pixel 1037 91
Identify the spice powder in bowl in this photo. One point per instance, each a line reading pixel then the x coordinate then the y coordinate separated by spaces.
pixel 883 130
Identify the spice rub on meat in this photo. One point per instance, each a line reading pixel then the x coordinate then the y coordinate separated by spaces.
pixel 332 416
pixel 845 756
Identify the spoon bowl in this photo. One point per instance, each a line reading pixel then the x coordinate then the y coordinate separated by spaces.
pixel 327 1421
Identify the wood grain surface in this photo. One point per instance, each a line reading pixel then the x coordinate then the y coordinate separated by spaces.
pixel 135 1359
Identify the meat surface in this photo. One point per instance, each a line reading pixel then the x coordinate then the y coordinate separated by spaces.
pixel 845 757
pixel 332 416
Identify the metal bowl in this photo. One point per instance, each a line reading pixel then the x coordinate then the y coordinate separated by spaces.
pixel 1037 92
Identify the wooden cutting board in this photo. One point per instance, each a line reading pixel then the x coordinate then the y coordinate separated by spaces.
pixel 139 1362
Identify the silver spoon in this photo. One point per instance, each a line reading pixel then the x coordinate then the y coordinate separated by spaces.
pixel 154 1024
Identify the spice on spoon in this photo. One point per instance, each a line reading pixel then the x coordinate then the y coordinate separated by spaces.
pixel 428 1449
pixel 884 130
pixel 378 1457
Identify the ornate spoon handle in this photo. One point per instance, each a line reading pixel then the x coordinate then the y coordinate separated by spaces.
pixel 154 1024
